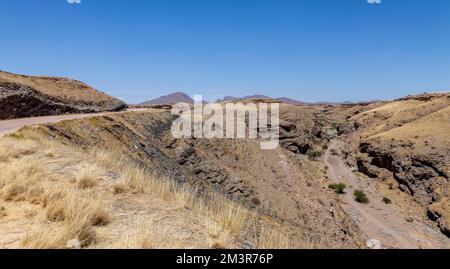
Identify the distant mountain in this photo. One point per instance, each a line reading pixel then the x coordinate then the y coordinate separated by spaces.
pixel 184 98
pixel 178 97
pixel 285 100
pixel 291 101
pixel 233 98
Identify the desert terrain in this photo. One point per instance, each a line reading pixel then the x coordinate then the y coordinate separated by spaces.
pixel 362 175
pixel 31 96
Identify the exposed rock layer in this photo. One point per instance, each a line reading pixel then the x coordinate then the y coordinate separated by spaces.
pixel 26 96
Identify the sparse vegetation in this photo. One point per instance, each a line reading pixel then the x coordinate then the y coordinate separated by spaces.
pixel 256 201
pixel 2 212
pixel 273 239
pixel 391 186
pixel 387 201
pixel 86 177
pixel 313 155
pixel 72 191
pixel 361 197
pixel 338 188
pixel 119 188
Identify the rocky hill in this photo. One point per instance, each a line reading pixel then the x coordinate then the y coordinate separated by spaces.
pixel 284 100
pixel 178 97
pixel 229 193
pixel 407 141
pixel 27 96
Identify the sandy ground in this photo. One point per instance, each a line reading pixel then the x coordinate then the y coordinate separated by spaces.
pixel 387 223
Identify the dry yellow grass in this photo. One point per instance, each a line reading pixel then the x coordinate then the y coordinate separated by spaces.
pixel 20 178
pixel 41 238
pixel 86 177
pixel 273 239
pixel 119 188
pixel 71 206
pixel 222 214
pixel 142 234
pixel 15 150
pixel 70 212
pixel 231 216
pixel 73 215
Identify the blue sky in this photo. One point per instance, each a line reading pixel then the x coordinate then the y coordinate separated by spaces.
pixel 311 50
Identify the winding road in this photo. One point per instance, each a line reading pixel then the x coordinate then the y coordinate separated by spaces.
pixel 9 126
pixel 387 223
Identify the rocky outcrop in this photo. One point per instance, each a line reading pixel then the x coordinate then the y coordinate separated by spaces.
pixel 406 140
pixel 424 176
pixel 22 96
pixel 277 185
pixel 304 129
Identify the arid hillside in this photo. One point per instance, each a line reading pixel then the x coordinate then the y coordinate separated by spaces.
pixel 97 179
pixel 27 96
pixel 405 143
pixel 250 198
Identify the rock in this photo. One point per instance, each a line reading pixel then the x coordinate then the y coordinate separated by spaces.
pixel 374 244
pixel 73 244
pixel 346 128
pixel 30 96
pixel 248 245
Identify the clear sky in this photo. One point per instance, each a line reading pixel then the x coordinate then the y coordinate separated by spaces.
pixel 311 50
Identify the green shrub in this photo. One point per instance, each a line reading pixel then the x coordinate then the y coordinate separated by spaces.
pixel 314 155
pixel 361 197
pixel 387 201
pixel 338 188
pixel 334 152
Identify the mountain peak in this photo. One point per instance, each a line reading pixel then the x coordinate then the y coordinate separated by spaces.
pixel 176 97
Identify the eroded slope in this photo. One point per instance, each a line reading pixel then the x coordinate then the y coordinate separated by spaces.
pixel 286 191
pixel 26 96
pixel 408 140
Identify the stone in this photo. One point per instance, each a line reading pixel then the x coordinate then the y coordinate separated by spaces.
pixel 73 244
pixel 374 244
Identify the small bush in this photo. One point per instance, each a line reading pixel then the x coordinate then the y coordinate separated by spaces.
pixel 361 197
pixel 86 177
pixel 391 186
pixel 334 152
pixel 325 147
pixel 256 201
pixel 387 201
pixel 314 155
pixel 119 188
pixel 100 217
pixel 338 188
pixel 86 183
pixel 55 212
pixel 3 212
pixel 14 192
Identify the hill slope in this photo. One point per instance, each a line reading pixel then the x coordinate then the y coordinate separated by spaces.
pixel 26 96
pixel 406 144
pixel 173 98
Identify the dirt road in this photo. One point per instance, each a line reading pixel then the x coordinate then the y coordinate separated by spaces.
pixel 8 126
pixel 386 223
